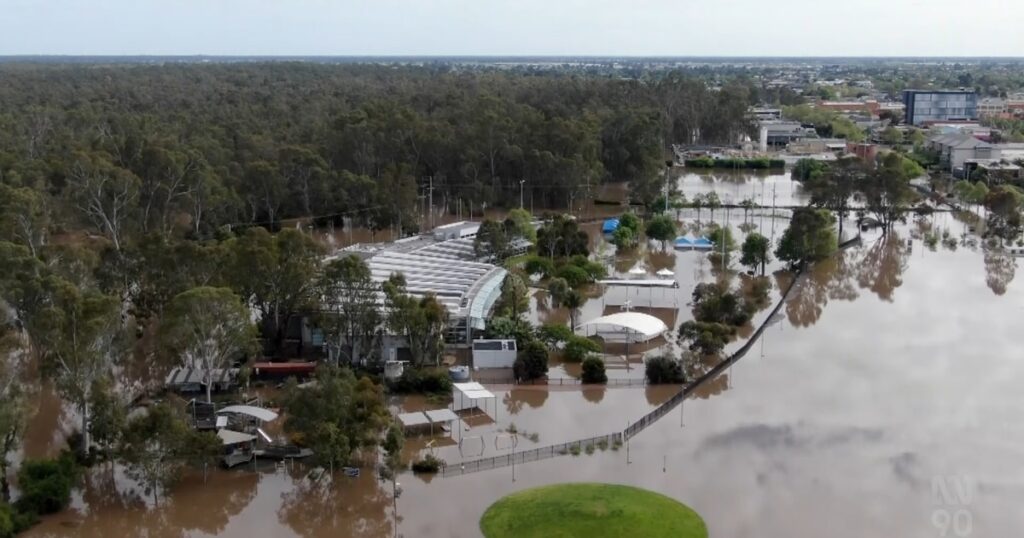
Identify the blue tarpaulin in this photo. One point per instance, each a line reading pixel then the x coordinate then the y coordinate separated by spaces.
pixel 702 242
pixel 683 242
pixel 610 226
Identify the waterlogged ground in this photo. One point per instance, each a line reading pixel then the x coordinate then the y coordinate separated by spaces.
pixel 883 403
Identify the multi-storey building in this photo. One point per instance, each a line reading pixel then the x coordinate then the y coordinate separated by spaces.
pixel 930 106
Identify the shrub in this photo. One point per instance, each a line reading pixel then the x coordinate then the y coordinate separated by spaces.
pixel 538 265
pixel 532 361
pixel 578 348
pixel 46 484
pixel 429 464
pixel 574 275
pixel 555 334
pixel 664 369
pixel 593 370
pixel 423 381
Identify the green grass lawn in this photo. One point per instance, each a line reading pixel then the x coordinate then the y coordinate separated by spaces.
pixel 590 510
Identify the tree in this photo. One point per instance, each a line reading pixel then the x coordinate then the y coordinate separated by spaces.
pixel 661 228
pixel 46 485
pixel 422 321
pixel 592 370
pixel 77 330
pixel 630 221
pixel 24 217
pixel 209 329
pixel 624 238
pixel 562 236
pixel 277 274
pixel 13 410
pixel 809 237
pixel 832 188
pixel 892 136
pixel 337 416
pixel 712 202
pixel 159 445
pixel 109 417
pixel 706 337
pixel 554 334
pixel 515 297
pixel 105 194
pixel 562 294
pixel 350 315
pixel 578 348
pixel 531 362
pixel 808 169
pixel 520 224
pixel 887 191
pixel 663 369
pixel 756 251
pixel 491 241
pixel 1004 204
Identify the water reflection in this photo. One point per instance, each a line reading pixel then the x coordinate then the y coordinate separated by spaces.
pixel 593 394
pixel 882 264
pixel 1000 268
pixel 339 507
pixel 518 399
pixel 829 279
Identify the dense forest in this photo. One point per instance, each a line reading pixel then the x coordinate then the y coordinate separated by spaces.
pixel 129 149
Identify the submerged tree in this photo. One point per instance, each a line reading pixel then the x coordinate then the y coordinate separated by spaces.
pixel 13 411
pixel 337 416
pixel 809 237
pixel 78 331
pixel 159 445
pixel 756 251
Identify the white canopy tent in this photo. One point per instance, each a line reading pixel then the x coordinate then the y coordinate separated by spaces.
pixel 231 437
pixel 466 396
pixel 631 324
pixel 265 415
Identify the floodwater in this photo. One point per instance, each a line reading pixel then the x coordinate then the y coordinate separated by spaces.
pixel 883 402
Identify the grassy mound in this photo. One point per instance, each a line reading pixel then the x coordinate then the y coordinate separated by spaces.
pixel 592 511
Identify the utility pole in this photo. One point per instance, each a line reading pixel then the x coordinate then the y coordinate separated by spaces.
pixel 521 182
pixel 431 190
pixel 668 172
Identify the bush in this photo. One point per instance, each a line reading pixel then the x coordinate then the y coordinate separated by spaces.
pixel 578 347
pixel 423 381
pixel 532 361
pixel 593 370
pixel 538 265
pixel 6 521
pixel 706 337
pixel 555 334
pixel 429 464
pixel 574 275
pixel 46 484
pixel 664 369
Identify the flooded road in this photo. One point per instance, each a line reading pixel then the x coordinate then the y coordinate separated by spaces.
pixel 884 402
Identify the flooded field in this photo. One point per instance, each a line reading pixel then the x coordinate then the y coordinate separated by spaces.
pixel 883 403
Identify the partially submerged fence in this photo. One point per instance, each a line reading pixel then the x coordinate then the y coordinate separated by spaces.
pixel 601 442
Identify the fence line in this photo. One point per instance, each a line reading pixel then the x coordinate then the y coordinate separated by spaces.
pixel 601 442
pixel 560 381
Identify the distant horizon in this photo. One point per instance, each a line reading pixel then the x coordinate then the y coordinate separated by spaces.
pixel 504 28
pixel 518 56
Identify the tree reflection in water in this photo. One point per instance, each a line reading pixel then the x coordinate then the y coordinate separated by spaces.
pixel 1000 268
pixel 593 394
pixel 881 267
pixel 828 279
pixel 516 399
pixel 337 507
pixel 696 365
pixel 116 506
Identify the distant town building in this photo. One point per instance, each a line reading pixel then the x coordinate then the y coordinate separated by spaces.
pixel 924 107
pixel 766 113
pixel 781 133
pixel 871 108
pixel 956 149
pixel 865 151
pixel 992 107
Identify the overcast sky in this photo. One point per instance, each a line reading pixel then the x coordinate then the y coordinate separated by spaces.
pixel 514 27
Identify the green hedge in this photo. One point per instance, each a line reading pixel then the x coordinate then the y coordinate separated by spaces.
pixel 748 164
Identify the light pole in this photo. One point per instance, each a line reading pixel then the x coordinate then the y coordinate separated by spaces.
pixel 521 182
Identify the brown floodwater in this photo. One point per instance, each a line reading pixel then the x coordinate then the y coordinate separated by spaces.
pixel 882 402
